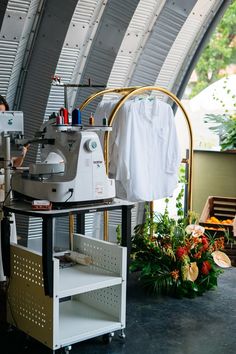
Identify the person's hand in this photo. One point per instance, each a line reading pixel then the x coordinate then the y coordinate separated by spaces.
pixel 18 161
pixel 25 149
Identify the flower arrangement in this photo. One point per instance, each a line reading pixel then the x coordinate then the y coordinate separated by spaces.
pixel 176 257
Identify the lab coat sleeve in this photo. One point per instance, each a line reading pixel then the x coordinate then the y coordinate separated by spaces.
pixel 173 156
pixel 121 147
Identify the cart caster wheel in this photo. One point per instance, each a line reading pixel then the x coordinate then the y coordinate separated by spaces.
pixel 107 338
pixel 122 334
pixel 66 350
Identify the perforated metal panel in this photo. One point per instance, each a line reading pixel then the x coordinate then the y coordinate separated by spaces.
pixel 103 254
pixel 28 269
pixel 84 316
pixel 107 300
pixel 28 308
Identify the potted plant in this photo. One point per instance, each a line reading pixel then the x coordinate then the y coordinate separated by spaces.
pixel 176 257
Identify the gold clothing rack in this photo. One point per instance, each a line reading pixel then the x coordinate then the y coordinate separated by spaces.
pixel 128 92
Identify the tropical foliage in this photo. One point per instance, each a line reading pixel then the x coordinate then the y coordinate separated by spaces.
pixel 224 124
pixel 225 127
pixel 176 258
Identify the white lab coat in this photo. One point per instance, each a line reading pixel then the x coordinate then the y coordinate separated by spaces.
pixel 144 149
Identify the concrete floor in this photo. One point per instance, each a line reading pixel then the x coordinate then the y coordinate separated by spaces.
pixel 160 325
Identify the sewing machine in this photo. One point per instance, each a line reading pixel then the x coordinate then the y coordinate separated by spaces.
pixel 72 167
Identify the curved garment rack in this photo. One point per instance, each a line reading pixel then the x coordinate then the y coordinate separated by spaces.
pixel 128 92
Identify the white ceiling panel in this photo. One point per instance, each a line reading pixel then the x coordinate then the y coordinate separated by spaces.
pixel 176 62
pixel 19 6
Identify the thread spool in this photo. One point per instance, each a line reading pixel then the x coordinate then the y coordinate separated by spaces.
pixel 65 115
pixel 59 120
pixel 91 119
pixel 76 117
pixel 104 121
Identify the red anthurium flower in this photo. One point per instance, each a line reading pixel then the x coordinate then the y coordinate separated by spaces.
pixel 205 243
pixel 206 266
pixel 204 239
pixel 181 252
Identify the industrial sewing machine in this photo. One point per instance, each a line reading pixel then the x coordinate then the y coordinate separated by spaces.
pixel 72 168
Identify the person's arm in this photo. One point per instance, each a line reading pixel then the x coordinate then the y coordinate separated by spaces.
pixel 18 161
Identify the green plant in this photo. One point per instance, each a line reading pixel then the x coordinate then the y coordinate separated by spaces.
pixel 173 257
pixel 224 124
pixel 118 234
pixel 225 128
pixel 218 53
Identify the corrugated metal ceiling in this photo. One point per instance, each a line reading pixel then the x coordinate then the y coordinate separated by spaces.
pixel 19 5
pixel 115 43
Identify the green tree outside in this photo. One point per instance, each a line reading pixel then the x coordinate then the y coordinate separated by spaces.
pixel 219 53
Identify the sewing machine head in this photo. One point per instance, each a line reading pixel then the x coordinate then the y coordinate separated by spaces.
pixel 72 168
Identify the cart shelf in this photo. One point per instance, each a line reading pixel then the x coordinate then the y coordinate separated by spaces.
pixel 79 321
pixel 79 279
pixel 87 301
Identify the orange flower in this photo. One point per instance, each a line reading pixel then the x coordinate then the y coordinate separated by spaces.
pixel 175 274
pixel 219 243
pixel 167 245
pixel 197 255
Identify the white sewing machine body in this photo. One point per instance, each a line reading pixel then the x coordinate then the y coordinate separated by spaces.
pixel 73 170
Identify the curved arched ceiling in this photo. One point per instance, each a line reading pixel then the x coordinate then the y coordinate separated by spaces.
pixel 113 43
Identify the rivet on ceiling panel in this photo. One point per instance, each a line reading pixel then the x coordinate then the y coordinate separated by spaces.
pixel 76 35
pixel 12 26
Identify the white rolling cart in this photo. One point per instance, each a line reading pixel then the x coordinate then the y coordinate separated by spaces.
pixel 60 305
